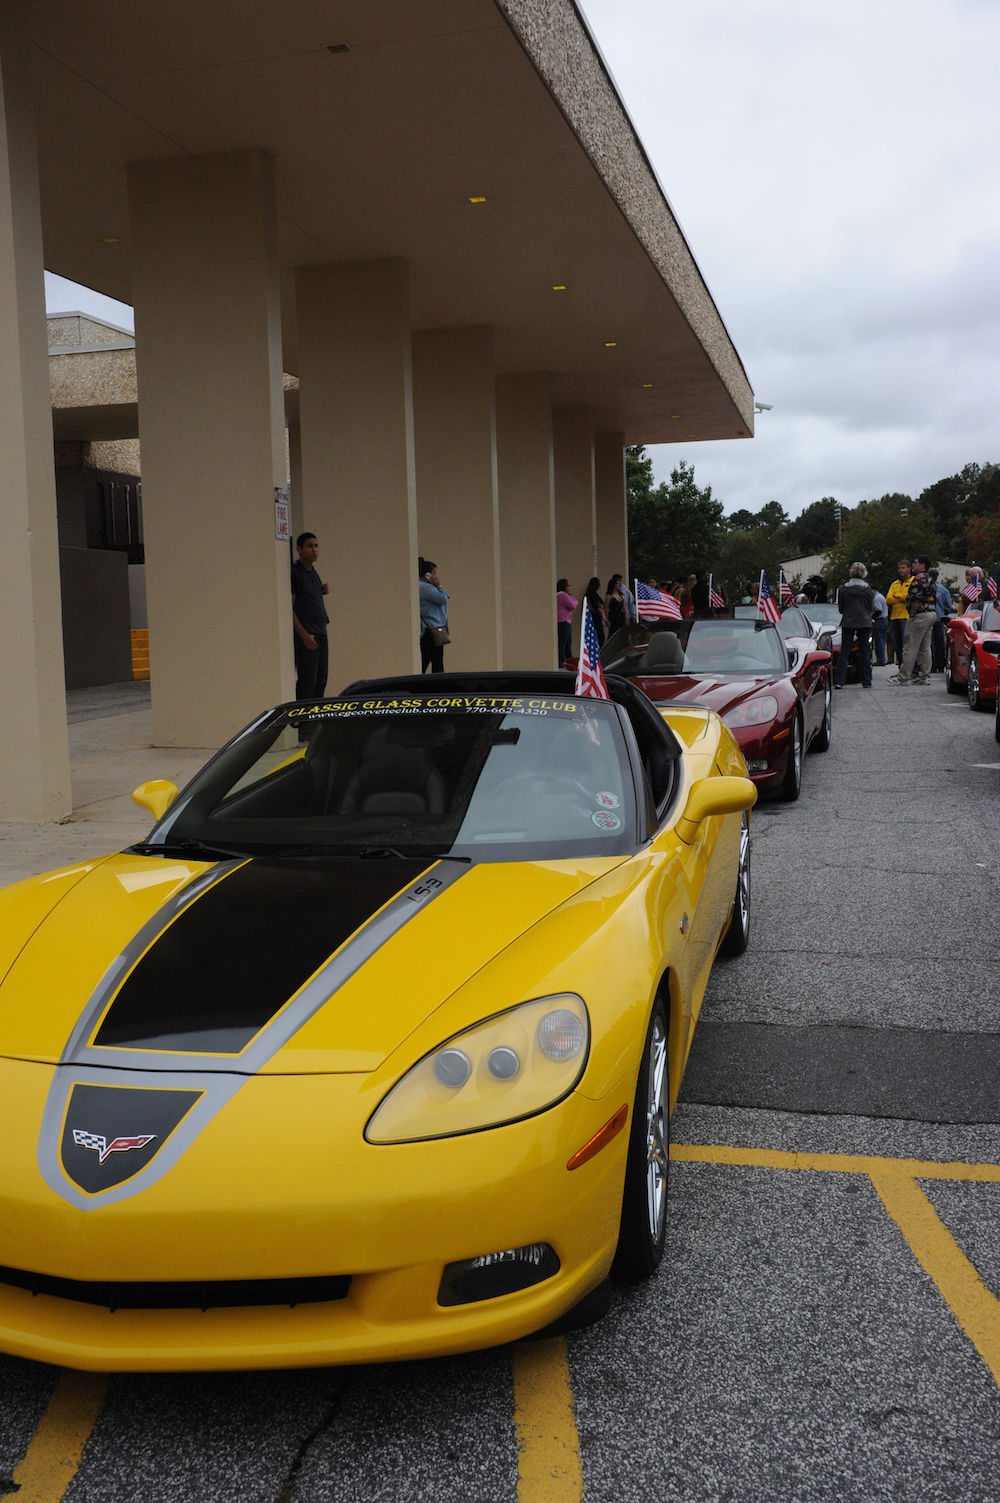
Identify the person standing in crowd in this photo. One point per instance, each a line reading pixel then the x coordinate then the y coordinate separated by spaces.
pixel 433 618
pixel 631 615
pixel 565 606
pixel 699 595
pixel 596 604
pixel 896 596
pixel 881 626
pixel 681 591
pixel 614 604
pixel 310 620
pixel 938 635
pixel 856 603
pixel 921 602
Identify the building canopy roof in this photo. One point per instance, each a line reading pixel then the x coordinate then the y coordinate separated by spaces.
pixel 482 140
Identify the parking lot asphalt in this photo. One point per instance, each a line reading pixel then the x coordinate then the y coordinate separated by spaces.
pixel 826 1322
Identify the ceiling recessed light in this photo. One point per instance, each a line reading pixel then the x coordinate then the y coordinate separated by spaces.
pixel 557 288
pixel 480 199
pixel 610 344
pixel 110 239
pixel 338 47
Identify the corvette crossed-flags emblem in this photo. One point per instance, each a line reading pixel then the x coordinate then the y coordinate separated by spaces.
pixel 102 1147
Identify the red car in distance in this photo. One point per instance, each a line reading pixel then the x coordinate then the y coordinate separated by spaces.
pixel 970 661
pixel 773 693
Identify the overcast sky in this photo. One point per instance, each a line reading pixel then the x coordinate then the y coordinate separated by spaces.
pixel 834 169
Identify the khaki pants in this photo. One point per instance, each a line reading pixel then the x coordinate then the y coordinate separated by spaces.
pixel 917 646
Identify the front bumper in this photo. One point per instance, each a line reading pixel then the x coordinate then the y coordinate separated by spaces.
pixel 282 1185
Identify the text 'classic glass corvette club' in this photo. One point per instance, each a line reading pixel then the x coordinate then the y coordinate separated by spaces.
pixel 368 1051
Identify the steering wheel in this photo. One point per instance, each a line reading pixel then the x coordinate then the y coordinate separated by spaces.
pixel 563 784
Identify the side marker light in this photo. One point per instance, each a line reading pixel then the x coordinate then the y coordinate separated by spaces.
pixel 481 199
pixel 600 1139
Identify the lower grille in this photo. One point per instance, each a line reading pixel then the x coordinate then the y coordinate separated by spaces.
pixel 192 1295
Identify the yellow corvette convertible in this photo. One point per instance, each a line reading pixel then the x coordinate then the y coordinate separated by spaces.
pixel 368 1051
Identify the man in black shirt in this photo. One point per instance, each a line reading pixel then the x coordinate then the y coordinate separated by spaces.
pixel 310 620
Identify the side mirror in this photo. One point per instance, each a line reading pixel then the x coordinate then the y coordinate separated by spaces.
pixel 156 796
pixel 714 796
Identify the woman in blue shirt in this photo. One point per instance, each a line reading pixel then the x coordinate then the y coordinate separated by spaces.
pixel 433 618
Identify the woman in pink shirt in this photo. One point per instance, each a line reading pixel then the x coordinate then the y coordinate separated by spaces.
pixel 565 606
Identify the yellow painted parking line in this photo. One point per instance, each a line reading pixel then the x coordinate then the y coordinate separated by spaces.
pixel 935 1249
pixel 939 1255
pixel 844 1163
pixel 56 1448
pixel 548 1468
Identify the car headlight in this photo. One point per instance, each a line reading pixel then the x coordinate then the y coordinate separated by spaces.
pixel 510 1066
pixel 754 712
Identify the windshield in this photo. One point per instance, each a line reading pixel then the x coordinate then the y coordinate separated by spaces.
pixel 990 619
pixel 693 646
pixel 791 624
pixel 823 615
pixel 489 777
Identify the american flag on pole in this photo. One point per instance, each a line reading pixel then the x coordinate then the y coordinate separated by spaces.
pixel 991 583
pixel 973 590
pixel 715 600
pixel 766 603
pixel 589 674
pixel 655 605
pixel 784 589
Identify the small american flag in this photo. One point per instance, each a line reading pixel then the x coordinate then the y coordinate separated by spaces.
pixel 974 590
pixel 589 674
pixel 784 589
pixel 991 583
pixel 655 605
pixel 715 600
pixel 766 603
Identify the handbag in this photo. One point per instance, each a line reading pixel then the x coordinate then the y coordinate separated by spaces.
pixel 439 636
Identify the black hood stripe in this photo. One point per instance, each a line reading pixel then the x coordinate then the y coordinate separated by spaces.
pixel 229 963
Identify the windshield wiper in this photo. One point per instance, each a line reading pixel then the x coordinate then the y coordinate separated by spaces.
pixel 196 849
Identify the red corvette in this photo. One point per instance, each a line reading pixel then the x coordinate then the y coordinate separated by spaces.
pixel 971 657
pixel 773 693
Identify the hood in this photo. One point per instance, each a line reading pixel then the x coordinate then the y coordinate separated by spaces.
pixel 856 584
pixel 718 694
pixel 245 966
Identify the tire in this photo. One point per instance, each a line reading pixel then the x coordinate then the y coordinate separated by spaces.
pixel 737 936
pixel 821 741
pixel 976 701
pixel 949 673
pixel 643 1230
pixel 996 721
pixel 791 785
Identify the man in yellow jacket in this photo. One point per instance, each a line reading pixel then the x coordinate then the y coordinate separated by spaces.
pixel 895 597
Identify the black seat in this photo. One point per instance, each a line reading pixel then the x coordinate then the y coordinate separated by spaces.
pixel 394 780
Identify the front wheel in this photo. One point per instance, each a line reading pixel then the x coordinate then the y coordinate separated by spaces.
pixel 821 741
pixel 737 936
pixel 949 673
pixel 643 1231
pixel 972 687
pixel 791 785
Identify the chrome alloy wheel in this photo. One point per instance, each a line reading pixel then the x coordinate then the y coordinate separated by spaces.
pixel 656 1132
pixel 742 914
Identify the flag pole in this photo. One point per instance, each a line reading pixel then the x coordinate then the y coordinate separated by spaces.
pixel 760 591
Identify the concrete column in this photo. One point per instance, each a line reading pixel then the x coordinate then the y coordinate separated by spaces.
pixel 211 421
pixel 611 509
pixel 356 414
pixel 576 524
pixel 527 520
pixel 454 430
pixel 34 750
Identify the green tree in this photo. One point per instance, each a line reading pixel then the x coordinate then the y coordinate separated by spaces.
pixel 768 520
pixel 815 529
pixel 673 529
pixel 955 500
pixel 878 534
